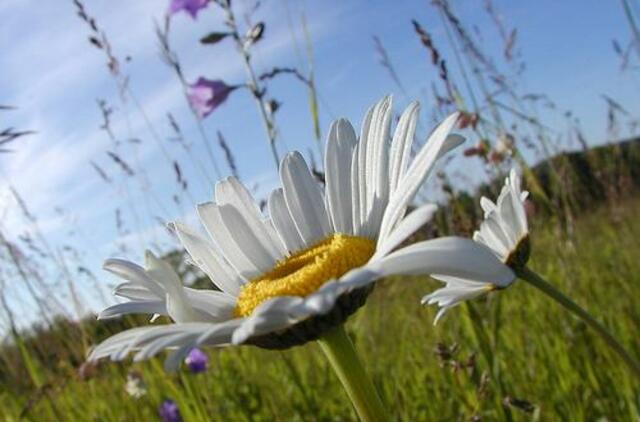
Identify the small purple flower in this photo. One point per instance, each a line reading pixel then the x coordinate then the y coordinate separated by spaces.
pixel 206 95
pixel 169 412
pixel 192 7
pixel 197 361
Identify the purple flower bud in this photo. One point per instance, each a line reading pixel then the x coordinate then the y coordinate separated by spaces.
pixel 192 7
pixel 197 361
pixel 169 411
pixel 206 95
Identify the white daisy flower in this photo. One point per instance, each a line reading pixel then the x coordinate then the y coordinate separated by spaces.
pixel 291 277
pixel 505 232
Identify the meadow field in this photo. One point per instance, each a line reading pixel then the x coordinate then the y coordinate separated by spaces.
pixel 513 356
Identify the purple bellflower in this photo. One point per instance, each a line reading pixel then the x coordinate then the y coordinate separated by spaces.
pixel 192 7
pixel 169 411
pixel 197 361
pixel 206 95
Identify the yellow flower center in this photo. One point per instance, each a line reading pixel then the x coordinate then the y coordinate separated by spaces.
pixel 305 271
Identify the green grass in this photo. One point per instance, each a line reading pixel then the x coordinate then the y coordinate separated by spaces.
pixel 516 343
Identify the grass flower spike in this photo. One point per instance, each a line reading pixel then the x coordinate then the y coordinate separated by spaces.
pixel 298 274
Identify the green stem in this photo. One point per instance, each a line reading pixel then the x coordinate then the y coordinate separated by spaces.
pixel 342 355
pixel 539 283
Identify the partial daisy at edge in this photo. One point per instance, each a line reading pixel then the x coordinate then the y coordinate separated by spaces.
pixel 505 232
pixel 290 277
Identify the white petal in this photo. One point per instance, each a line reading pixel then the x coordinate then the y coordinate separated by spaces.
pixel 492 232
pixel 133 273
pixel 137 307
pixel 517 203
pixel 355 191
pixel 407 226
pixel 448 297
pixel 207 259
pixel 416 174
pixel 377 169
pixel 219 232
pixel 178 306
pixel 231 192
pixel 252 244
pixel 340 144
pixel 283 221
pixel 507 217
pixel 135 292
pixel 304 199
pixel 452 256
pixel 401 144
pixel 362 165
pixel 218 305
pixel 453 141
pixel 487 205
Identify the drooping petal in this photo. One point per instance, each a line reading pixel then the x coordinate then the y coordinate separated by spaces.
pixel 138 307
pixel 451 256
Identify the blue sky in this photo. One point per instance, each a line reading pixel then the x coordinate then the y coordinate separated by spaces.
pixel 54 76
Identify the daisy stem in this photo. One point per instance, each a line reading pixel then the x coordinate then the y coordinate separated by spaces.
pixel 538 282
pixel 342 355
